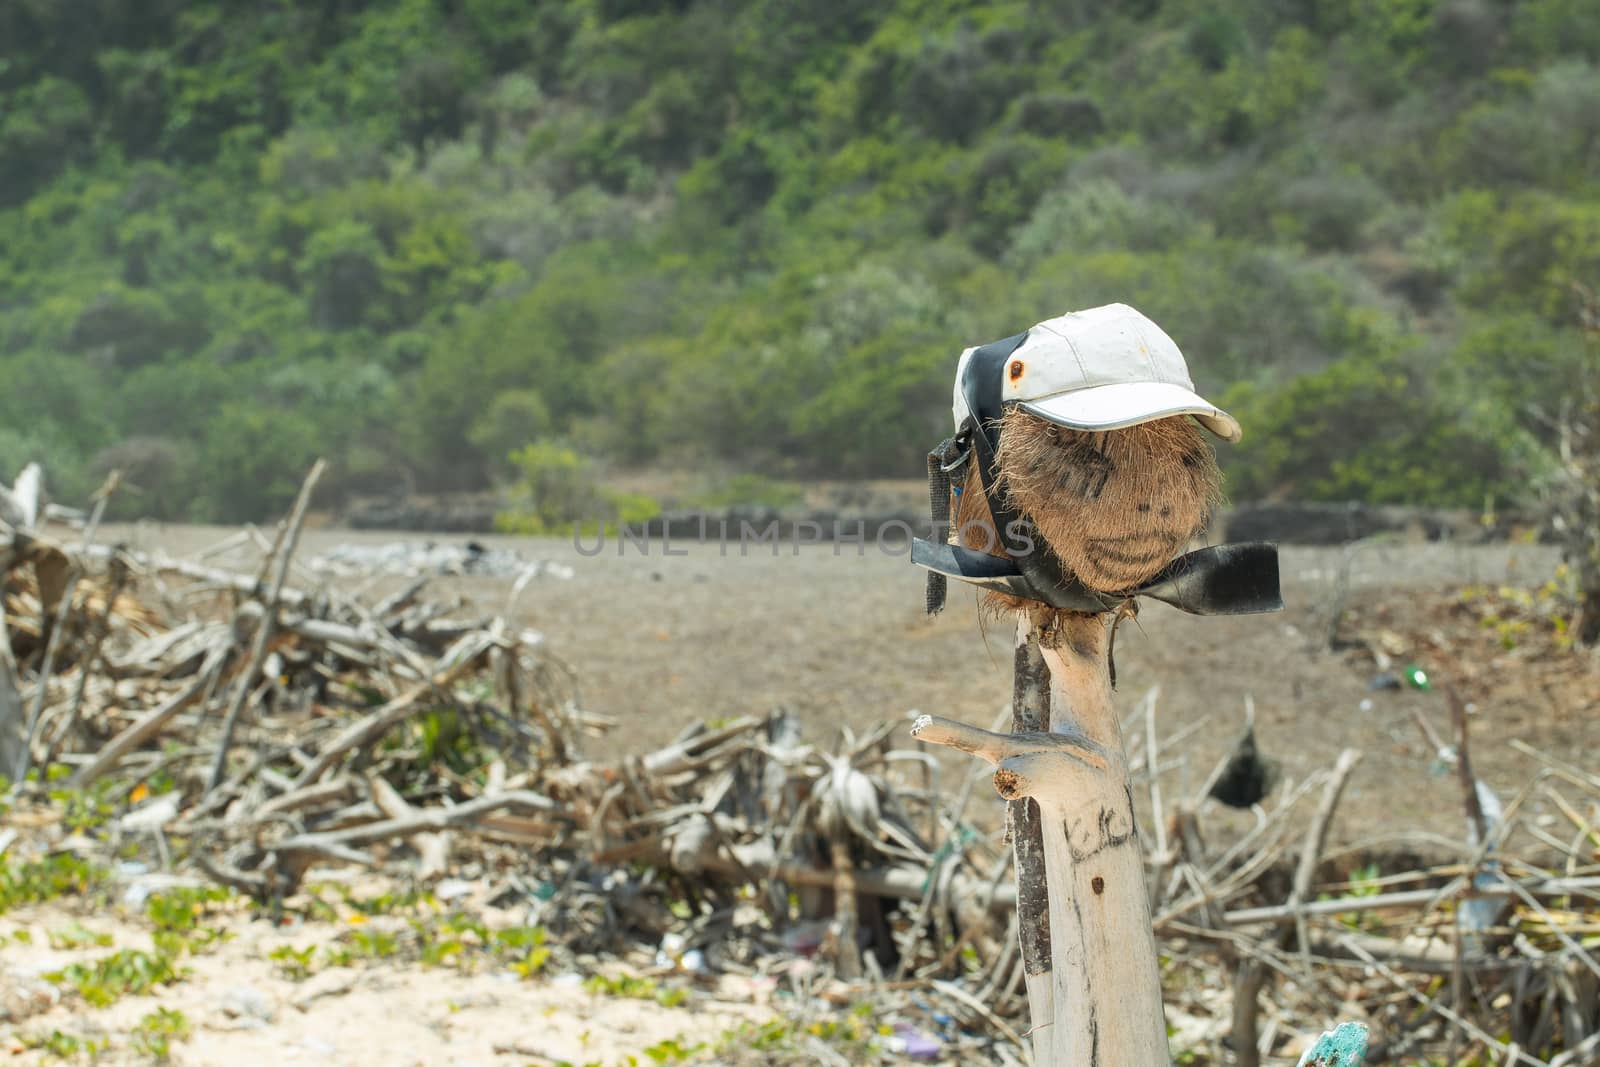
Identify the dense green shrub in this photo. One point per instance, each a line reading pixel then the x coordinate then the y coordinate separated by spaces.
pixel 555 492
pixel 513 419
pixel 44 129
pixel 1363 429
pixel 158 476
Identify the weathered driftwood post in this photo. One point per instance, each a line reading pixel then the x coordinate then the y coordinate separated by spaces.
pixel 1077 473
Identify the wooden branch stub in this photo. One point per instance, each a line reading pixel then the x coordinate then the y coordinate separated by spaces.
pixel 1000 749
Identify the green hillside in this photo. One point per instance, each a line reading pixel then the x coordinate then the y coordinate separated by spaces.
pixel 414 235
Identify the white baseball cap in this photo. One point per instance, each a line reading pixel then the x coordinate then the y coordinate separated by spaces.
pixel 1100 369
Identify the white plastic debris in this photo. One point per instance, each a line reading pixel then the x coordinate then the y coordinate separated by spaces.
pixel 248 1004
pixel 418 559
pixel 152 815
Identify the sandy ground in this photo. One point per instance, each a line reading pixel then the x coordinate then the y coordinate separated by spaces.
pixel 836 633
pixel 243 1011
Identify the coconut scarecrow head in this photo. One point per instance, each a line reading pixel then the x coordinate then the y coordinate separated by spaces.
pixel 1080 469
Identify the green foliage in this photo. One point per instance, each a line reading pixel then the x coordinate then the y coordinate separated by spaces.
pixel 636 988
pixel 454 939
pixel 58 1044
pixel 179 915
pixel 126 972
pixel 44 130
pixel 82 810
pixel 850 1034
pixel 156 1032
pixel 295 964
pixel 750 490
pixel 1365 881
pixel 421 239
pixel 557 491
pixel 74 936
pixel 1364 427
pixel 514 420
pixel 373 944
pixel 37 881
pixel 434 935
pixel 671 1050
pixel 558 485
pixel 255 461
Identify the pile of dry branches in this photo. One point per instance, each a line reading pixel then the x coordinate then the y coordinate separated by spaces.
pixel 271 709
pixel 1471 957
pixel 276 726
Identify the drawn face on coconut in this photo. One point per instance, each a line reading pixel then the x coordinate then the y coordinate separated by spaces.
pixel 1114 506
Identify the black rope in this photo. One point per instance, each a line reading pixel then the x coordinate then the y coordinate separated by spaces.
pixel 939 510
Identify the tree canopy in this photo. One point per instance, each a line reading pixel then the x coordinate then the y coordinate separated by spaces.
pixel 417 236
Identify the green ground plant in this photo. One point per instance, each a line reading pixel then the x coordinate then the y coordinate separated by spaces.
pixel 74 936
pixel 430 936
pixel 126 972
pixel 156 1033
pixel 636 988
pixel 61 1045
pixel 1365 881
pixel 39 880
pixel 180 916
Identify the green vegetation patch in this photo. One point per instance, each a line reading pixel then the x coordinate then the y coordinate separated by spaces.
pixel 40 880
pixel 126 972
pixel 486 243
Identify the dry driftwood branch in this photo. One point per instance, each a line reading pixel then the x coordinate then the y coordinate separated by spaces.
pixel 369 730
pixel 13 727
pixel 58 629
pixel 421 821
pixel 696 750
pixel 151 723
pixel 20 504
pixel 96 646
pixel 202 576
pixel 334 790
pixel 1463 759
pixel 258 648
pixel 432 847
pixel 1279 913
pixel 1251 975
pixel 1317 834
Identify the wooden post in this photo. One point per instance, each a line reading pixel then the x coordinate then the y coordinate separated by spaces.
pixel 1112 501
pixel 1030 713
pixel 1105 984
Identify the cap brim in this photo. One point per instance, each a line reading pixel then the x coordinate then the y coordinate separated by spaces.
pixel 1111 407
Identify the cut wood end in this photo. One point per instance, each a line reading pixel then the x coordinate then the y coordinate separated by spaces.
pixel 1009 784
pixel 1057 778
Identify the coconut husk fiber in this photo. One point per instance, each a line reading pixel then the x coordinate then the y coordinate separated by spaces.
pixel 1113 506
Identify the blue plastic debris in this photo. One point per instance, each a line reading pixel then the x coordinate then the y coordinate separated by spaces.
pixel 916 1045
pixel 1345 1046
